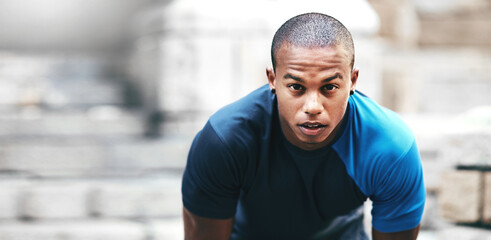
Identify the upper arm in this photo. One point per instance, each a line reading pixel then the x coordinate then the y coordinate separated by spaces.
pixel 399 198
pixel 196 227
pixel 212 178
pixel 410 234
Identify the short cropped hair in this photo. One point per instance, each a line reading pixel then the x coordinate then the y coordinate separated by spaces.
pixel 313 30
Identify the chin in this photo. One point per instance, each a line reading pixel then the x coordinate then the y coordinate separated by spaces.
pixel 314 141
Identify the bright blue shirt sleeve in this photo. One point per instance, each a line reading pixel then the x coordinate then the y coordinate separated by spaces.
pixel 381 155
pixel 399 198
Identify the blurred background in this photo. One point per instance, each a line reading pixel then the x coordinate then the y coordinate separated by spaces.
pixel 100 100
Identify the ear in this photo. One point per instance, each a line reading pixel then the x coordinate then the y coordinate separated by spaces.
pixel 354 78
pixel 271 77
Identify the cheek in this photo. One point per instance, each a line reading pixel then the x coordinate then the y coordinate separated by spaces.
pixel 285 110
pixel 338 109
pixel 288 109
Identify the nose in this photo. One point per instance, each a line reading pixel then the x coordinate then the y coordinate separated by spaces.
pixel 313 105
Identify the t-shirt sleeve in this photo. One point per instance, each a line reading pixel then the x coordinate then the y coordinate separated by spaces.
pixel 399 199
pixel 211 181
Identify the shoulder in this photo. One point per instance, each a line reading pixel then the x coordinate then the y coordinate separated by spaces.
pixel 375 139
pixel 247 118
pixel 222 153
pixel 382 127
pixel 238 129
pixel 381 155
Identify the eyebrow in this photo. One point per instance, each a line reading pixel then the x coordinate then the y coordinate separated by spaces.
pixel 337 75
pixel 293 77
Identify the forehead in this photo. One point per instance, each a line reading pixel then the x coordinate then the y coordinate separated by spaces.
pixel 291 54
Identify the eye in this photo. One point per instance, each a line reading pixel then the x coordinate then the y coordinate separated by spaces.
pixel 296 87
pixel 329 87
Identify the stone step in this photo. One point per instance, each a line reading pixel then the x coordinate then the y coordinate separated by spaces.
pixel 59 80
pixel 465 196
pixel 98 121
pixel 163 229
pixel 89 156
pixel 446 141
pixel 458 232
pixel 85 199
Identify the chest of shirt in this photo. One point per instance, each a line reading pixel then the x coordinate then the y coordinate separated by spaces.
pixel 312 178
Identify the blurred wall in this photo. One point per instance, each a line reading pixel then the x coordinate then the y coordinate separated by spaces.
pixel 191 58
pixel 66 25
pixel 438 54
pixel 57 54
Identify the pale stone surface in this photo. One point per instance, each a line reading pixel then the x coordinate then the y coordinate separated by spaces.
pixel 469 149
pixel 58 80
pixel 432 219
pixel 463 233
pixel 83 230
pixel 148 155
pixel 455 233
pixel 448 140
pixel 456 22
pixel 487 198
pixel 55 200
pixel 10 192
pixel 53 159
pixel 95 121
pixel 93 156
pixel 460 196
pixel 167 229
pixel 398 21
pixel 160 198
pixel 8 202
pixel 434 78
pixel 454 6
pixel 456 31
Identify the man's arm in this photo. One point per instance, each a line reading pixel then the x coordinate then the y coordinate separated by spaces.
pixel 197 228
pixel 210 187
pixel 410 234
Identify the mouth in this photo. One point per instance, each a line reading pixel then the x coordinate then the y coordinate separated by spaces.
pixel 311 128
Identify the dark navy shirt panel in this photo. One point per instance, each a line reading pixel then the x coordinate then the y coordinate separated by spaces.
pixel 297 195
pixel 224 156
pixel 212 176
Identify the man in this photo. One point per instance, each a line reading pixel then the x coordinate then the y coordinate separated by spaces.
pixel 297 158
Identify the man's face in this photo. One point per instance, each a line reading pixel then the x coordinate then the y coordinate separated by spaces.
pixel 312 87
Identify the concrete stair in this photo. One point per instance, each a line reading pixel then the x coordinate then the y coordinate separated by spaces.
pixel 88 174
pixel 139 208
pixel 77 144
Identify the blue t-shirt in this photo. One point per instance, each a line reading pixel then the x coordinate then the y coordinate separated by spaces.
pixel 241 165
